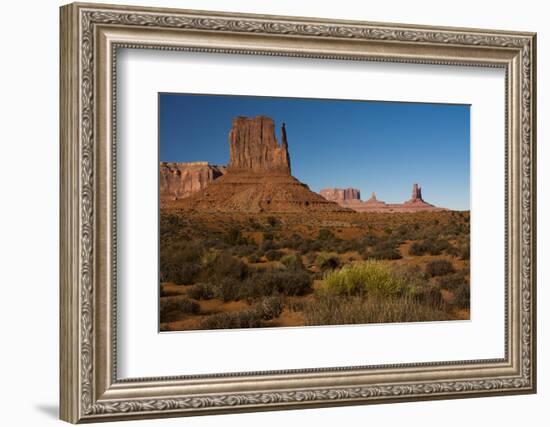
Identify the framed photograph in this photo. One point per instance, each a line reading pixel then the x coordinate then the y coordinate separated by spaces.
pixel 266 212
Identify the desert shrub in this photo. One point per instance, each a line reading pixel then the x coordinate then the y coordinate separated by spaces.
pixel 202 291
pixel 286 282
pixel 173 308
pixel 383 250
pixel 272 221
pixel 164 292
pixel 243 250
pixel 182 273
pixel 462 295
pixel 342 246
pixel 230 289
pixel 292 261
pixel 465 252
pixel 327 261
pixel 430 295
pixel 310 258
pixel 364 278
pixel 293 242
pixel 429 246
pixel 253 258
pixel 239 319
pixel 325 234
pixel 268 236
pixel 371 240
pixel 439 267
pixel 453 251
pixel 224 266
pixel 253 223
pixel 451 281
pixel 235 237
pixel 270 307
pixel 273 255
pixel 180 262
pixel 331 309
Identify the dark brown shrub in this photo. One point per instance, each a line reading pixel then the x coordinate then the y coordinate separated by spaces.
pixel 462 295
pixel 235 320
pixel 174 308
pixel 202 291
pixel 273 255
pixel 439 267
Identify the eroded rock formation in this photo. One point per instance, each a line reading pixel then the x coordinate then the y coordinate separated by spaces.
pixel 340 195
pixel 253 147
pixel 415 204
pixel 178 180
pixel 258 176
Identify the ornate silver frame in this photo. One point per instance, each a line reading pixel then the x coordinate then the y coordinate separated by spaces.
pixel 90 36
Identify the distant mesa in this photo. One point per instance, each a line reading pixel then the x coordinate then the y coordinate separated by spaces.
pixel 257 179
pixel 350 198
pixel 178 180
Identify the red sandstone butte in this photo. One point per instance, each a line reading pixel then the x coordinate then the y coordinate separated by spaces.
pixel 258 177
pixel 178 180
pixel 341 195
pixel 347 198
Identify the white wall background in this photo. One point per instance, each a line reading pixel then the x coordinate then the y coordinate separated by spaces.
pixel 29 171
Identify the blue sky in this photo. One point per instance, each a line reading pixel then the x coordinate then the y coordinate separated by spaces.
pixel 370 145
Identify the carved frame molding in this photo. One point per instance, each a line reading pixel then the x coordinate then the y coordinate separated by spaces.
pixel 90 36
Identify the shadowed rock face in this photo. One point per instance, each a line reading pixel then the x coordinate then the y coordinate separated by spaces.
pixel 178 180
pixel 253 147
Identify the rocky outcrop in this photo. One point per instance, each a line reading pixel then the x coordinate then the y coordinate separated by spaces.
pixel 258 176
pixel 415 204
pixel 253 147
pixel 340 195
pixel 179 180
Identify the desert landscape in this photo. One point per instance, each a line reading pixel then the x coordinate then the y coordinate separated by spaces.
pixel 247 245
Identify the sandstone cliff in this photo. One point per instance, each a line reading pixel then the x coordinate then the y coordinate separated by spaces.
pixel 179 180
pixel 340 195
pixel 253 147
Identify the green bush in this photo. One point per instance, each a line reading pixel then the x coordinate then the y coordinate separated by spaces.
pixel 292 261
pixel 365 278
pixel 327 261
pixel 224 266
pixel 439 267
pixel 180 262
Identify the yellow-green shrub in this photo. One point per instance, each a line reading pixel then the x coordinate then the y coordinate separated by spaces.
pixel 369 277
